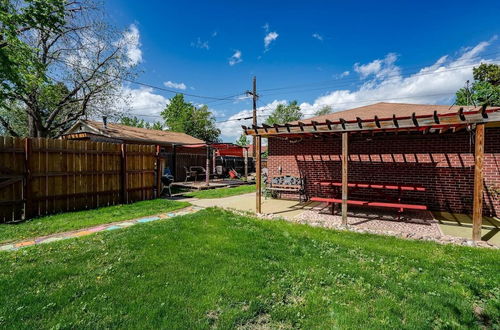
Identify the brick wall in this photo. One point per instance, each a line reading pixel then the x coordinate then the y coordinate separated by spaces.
pixel 442 163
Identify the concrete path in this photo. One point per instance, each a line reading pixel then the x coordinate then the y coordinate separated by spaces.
pixel 87 231
pixel 246 202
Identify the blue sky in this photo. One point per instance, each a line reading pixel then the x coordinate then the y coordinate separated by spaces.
pixel 343 54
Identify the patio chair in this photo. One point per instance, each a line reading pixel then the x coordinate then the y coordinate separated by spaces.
pixel 190 174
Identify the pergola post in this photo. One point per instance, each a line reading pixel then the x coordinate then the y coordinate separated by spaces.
pixel 245 150
pixel 477 209
pixel 207 168
pixel 258 174
pixel 345 140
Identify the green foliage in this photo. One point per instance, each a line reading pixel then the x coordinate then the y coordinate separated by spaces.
pixel 285 113
pixel 485 90
pixel 82 219
pixel 56 60
pixel 216 269
pixel 242 140
pixel 141 123
pixel 17 61
pixel 182 116
pixel 324 110
pixel 487 72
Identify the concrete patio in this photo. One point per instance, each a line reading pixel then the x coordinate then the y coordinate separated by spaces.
pixel 318 214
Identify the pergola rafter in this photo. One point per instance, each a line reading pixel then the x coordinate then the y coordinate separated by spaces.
pixel 426 122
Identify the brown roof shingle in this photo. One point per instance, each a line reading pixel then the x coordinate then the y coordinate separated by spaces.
pixel 124 132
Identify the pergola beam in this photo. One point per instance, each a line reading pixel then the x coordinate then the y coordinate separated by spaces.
pixel 389 124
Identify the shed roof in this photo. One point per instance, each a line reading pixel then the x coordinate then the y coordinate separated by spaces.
pixel 129 133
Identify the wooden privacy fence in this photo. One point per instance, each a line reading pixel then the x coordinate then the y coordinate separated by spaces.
pixel 44 176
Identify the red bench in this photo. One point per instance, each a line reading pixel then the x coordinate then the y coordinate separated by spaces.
pixel 401 207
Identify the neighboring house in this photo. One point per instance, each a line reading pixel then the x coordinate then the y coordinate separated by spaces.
pixel 439 159
pixel 117 133
pixel 175 152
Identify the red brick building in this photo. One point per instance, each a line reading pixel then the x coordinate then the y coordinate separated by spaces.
pixel 441 159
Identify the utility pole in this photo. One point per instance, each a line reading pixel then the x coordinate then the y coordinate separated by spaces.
pixel 254 116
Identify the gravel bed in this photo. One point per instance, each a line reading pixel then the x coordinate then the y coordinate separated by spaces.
pixel 416 225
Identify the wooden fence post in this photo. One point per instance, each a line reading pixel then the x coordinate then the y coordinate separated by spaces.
pixel 27 179
pixel 124 181
pixel 158 172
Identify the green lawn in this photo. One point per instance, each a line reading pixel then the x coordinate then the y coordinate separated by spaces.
pixel 221 192
pixel 82 219
pixel 217 269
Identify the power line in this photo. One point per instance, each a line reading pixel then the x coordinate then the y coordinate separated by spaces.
pixel 356 79
pixel 152 86
pixel 391 77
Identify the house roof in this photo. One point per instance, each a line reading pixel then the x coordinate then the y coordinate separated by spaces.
pixel 129 133
pixel 386 110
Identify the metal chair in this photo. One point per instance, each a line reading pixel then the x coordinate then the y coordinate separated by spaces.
pixel 190 174
pixel 167 181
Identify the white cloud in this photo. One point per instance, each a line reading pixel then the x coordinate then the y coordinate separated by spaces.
pixel 235 58
pixel 317 36
pixel 380 68
pixel 143 101
pixel 433 84
pixel 269 38
pixel 345 74
pixel 132 45
pixel 175 85
pixel 200 44
pixel 231 130
pixel 266 27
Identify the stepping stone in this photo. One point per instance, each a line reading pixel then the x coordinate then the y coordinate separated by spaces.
pixel 26 243
pixel 113 227
pixel 52 239
pixel 171 214
pixel 125 224
pixel 143 220
pixel 82 233
pixel 7 247
pixel 95 229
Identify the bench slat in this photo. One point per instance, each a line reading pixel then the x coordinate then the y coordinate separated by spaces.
pixel 367 203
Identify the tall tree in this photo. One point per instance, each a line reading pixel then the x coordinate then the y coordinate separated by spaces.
pixel 63 63
pixel 285 113
pixel 324 110
pixel 140 123
pixel 182 116
pixel 485 90
pixel 242 140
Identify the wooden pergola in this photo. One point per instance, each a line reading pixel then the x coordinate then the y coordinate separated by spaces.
pixel 434 123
